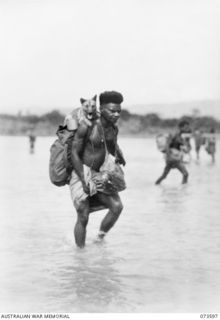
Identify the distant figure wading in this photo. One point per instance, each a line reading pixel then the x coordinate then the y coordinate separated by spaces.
pixel 174 153
pixel 32 140
pixel 199 141
pixel 210 143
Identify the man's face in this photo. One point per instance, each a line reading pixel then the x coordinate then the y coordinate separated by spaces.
pixel 111 112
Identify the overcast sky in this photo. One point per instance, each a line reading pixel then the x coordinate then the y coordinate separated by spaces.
pixel 52 52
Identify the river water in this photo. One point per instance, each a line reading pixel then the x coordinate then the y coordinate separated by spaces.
pixel 163 255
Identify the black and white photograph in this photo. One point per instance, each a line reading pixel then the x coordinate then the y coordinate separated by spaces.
pixel 110 157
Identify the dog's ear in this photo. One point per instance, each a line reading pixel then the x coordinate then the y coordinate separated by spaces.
pixel 82 100
pixel 94 98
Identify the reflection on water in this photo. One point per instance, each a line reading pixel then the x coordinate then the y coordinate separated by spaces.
pixel 91 282
pixel 161 256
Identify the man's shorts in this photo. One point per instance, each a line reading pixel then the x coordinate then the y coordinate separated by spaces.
pixel 78 195
pixel 76 188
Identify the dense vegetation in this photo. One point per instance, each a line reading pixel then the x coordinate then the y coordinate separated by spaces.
pixel 130 124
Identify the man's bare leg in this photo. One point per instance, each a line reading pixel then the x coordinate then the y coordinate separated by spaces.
pixel 115 206
pixel 213 157
pixel 180 166
pixel 164 174
pixel 81 223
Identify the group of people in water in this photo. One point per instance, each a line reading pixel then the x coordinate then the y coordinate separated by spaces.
pixel 176 146
pixel 95 175
pixel 206 139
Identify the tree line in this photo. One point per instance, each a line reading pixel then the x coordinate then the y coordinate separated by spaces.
pixel 130 123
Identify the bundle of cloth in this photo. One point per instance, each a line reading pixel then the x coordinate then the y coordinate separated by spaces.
pixel 108 180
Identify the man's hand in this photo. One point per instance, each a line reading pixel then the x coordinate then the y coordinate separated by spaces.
pixel 110 187
pixel 85 187
pixel 119 158
pixel 184 148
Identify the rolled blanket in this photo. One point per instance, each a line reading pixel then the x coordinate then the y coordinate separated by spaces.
pixel 113 175
pixel 109 180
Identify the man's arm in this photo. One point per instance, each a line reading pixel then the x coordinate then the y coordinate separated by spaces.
pixel 78 146
pixel 116 151
pixel 119 157
pixel 169 141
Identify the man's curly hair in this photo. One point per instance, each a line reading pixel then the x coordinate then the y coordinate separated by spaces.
pixel 110 97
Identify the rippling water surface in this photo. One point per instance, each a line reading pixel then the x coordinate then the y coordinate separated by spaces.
pixel 163 255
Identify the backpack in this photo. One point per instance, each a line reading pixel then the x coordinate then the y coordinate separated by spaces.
pixel 60 164
pixel 162 142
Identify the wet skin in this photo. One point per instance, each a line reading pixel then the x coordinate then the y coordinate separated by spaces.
pixel 89 149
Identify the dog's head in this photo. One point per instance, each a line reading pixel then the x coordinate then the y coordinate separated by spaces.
pixel 89 107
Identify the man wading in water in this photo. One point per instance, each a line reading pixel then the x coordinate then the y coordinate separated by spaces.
pixel 91 147
pixel 174 153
